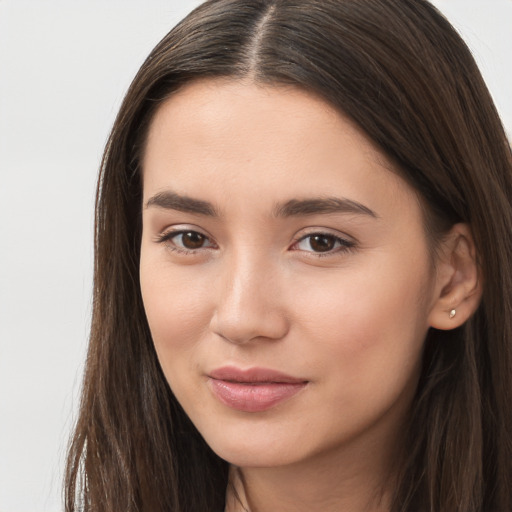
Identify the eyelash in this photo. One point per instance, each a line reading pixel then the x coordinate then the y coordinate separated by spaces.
pixel 168 236
pixel 344 245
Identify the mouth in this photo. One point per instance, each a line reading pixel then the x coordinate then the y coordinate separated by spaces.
pixel 254 389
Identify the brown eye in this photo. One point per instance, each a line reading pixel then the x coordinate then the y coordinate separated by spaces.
pixel 190 240
pixel 318 243
pixel 322 243
pixel 185 241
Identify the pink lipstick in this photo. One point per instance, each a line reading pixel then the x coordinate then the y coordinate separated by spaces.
pixel 252 390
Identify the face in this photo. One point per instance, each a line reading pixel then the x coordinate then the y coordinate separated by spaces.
pixel 285 273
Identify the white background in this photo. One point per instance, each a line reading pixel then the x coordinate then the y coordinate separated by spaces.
pixel 64 67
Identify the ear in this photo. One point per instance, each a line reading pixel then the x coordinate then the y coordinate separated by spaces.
pixel 458 283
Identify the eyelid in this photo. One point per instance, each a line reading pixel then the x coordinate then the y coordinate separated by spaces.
pixel 346 242
pixel 166 236
pixel 319 230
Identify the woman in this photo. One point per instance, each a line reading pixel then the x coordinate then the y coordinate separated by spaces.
pixel 302 284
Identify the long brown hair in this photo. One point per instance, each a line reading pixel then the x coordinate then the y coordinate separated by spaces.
pixel 399 71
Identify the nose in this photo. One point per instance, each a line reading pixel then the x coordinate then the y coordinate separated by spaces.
pixel 249 305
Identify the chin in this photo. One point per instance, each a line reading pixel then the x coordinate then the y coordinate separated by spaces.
pixel 256 447
pixel 251 457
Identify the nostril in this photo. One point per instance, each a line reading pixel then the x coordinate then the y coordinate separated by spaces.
pixel 241 329
pixel 248 306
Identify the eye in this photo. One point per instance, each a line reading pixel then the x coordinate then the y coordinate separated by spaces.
pixel 322 243
pixel 190 240
pixel 185 240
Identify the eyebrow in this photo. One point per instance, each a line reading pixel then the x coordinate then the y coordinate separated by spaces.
pixel 315 206
pixel 169 200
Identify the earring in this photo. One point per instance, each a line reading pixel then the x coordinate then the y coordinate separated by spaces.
pixel 453 313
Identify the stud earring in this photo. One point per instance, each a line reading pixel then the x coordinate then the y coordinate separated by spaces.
pixel 453 313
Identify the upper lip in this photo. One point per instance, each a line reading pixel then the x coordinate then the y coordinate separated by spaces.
pixel 253 375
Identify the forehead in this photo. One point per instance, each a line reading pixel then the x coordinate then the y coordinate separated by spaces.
pixel 234 137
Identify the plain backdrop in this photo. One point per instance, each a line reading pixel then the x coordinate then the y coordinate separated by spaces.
pixel 64 68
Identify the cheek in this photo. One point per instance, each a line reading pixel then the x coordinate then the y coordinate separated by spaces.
pixel 369 324
pixel 178 308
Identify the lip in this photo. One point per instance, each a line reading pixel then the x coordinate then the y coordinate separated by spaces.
pixel 253 389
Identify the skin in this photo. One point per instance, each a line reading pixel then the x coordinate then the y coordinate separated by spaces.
pixel 256 291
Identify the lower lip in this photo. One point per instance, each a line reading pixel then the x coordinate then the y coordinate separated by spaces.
pixel 253 397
